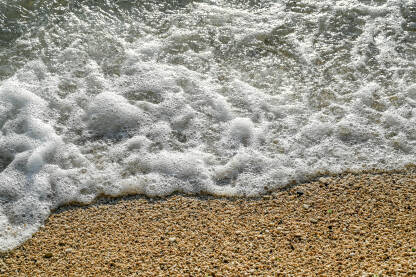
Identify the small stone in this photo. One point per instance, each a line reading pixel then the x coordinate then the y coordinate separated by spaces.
pixel 172 239
pixel 306 206
pixel 2 266
pixel 48 255
pixel 69 250
pixel 324 180
pixel 299 193
pixel 313 220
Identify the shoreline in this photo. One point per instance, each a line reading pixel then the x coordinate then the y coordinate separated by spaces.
pixel 107 200
pixel 351 224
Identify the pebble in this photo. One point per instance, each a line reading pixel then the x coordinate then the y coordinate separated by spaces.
pixel 48 255
pixel 325 180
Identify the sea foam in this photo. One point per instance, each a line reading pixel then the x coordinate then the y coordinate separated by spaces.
pixel 219 98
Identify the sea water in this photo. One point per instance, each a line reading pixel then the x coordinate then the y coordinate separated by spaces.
pixel 229 98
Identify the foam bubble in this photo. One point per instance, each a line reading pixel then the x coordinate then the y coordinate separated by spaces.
pixel 242 131
pixel 412 92
pixel 108 114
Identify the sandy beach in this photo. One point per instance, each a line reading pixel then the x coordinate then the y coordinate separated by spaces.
pixel 348 225
pixel 207 138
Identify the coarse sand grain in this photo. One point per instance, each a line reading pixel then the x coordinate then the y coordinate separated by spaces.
pixel 347 225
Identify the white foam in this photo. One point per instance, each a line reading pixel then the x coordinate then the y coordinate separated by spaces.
pixel 242 131
pixel 214 100
pixel 109 114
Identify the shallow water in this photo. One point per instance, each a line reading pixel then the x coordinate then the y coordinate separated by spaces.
pixel 231 98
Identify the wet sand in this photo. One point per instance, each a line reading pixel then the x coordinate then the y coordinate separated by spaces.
pixel 348 225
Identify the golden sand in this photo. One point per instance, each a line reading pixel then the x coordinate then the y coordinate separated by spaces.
pixel 350 225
